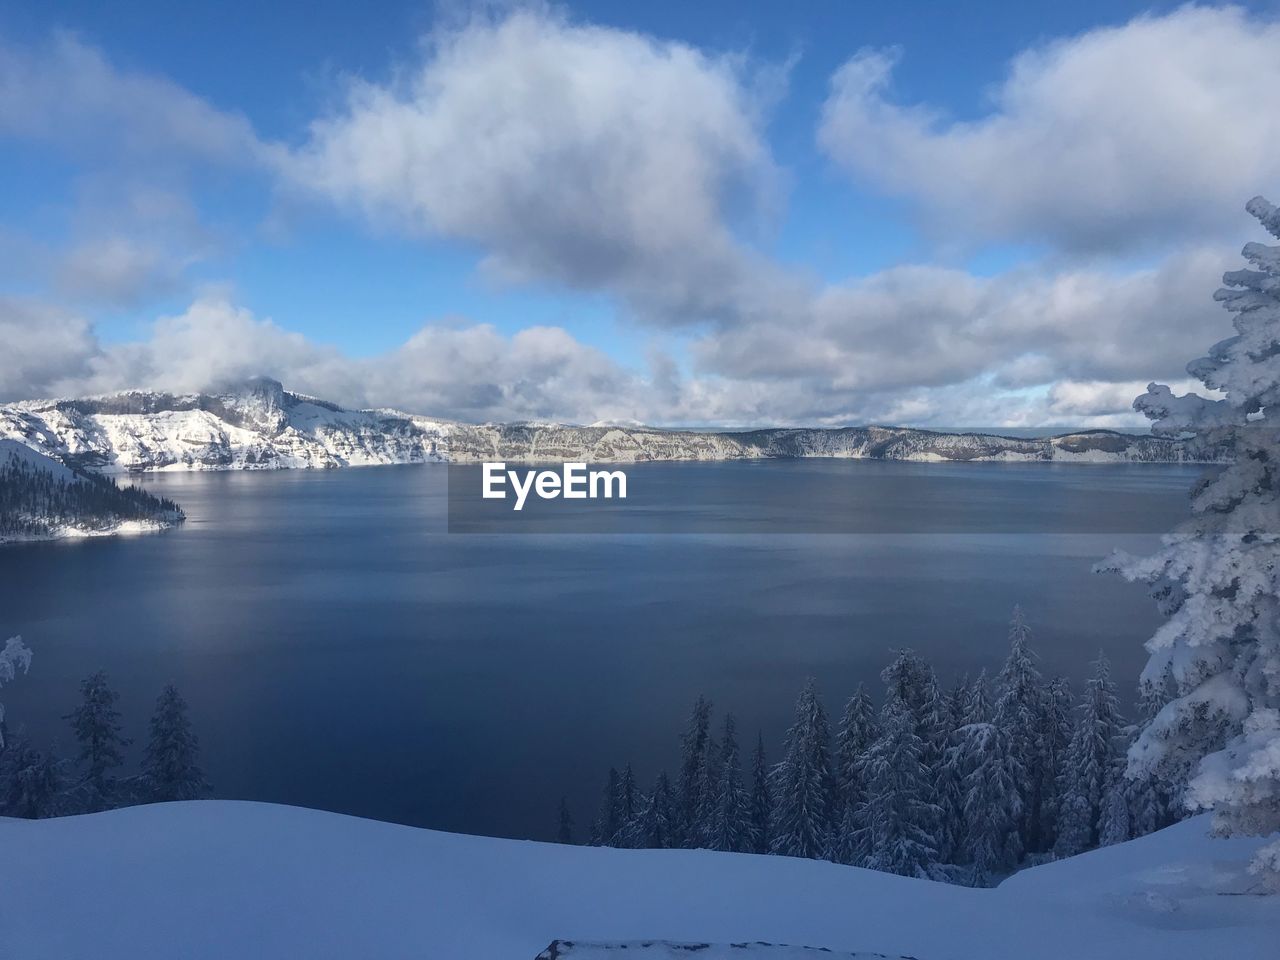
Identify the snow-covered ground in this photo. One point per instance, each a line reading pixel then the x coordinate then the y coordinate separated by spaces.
pixel 221 879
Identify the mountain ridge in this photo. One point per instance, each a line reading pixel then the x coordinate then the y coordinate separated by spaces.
pixel 260 425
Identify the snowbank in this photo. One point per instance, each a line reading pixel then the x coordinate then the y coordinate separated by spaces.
pixel 220 879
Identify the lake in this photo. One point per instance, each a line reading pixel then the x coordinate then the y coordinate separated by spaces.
pixel 340 649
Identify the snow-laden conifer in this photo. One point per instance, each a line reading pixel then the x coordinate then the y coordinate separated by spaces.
pixel 170 768
pixel 1218 576
pixel 802 782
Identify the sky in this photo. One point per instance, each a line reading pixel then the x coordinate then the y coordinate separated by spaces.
pixel 685 214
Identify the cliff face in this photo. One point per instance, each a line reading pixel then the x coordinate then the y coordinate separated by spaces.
pixel 260 425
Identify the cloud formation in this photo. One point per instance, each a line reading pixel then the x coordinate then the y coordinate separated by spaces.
pixel 1149 133
pixel 585 156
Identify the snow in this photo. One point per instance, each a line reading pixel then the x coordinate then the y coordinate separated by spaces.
pixel 218 879
pixel 11 450
pixel 667 950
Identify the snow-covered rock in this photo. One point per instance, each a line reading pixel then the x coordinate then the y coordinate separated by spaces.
pixel 260 425
pixel 209 880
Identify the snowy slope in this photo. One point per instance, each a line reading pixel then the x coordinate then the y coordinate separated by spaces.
pixel 260 425
pixel 219 879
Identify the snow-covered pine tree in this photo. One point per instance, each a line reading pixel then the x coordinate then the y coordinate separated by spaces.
pixel 1218 577
pixel 858 730
pixel 802 782
pixel 693 761
pixel 730 827
pixel 977 707
pixel 907 680
pixel 658 819
pixel 564 829
pixel 897 812
pixel 944 794
pixel 1092 763
pixel 628 807
pixel 1115 823
pixel 992 789
pixel 761 798
pixel 31 781
pixel 1056 730
pixel 169 768
pixel 96 723
pixel 609 818
pixel 708 792
pixel 1152 804
pixel 14 656
pixel 1019 712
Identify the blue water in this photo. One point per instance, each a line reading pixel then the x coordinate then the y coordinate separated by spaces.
pixel 340 649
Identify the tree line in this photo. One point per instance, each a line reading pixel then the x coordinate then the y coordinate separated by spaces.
pixel 37 783
pixel 34 502
pixel 962 785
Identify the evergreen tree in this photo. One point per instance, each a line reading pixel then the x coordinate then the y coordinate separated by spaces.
pixel 627 806
pixel 169 768
pixel 907 681
pixel 14 656
pixel 31 781
pixel 658 819
pixel 992 801
pixel 944 793
pixel 1218 577
pixel 898 813
pixel 1152 799
pixel 564 832
pixel 96 723
pixel 693 763
pixel 1092 763
pixel 1056 730
pixel 609 818
pixel 802 782
pixel 1019 713
pixel 977 707
pixel 858 730
pixel 730 825
pixel 761 799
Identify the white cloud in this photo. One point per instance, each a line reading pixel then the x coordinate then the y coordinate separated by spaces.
pixel 43 347
pixel 67 93
pixel 1148 133
pixel 581 155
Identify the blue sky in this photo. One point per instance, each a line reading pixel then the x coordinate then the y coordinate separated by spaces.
pixel 823 205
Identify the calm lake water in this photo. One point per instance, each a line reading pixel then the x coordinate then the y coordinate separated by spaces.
pixel 340 649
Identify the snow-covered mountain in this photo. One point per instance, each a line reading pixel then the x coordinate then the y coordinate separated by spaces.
pixel 260 425
pixel 210 880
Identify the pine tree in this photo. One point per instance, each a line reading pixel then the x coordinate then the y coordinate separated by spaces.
pixel 858 730
pixel 907 681
pixel 609 817
pixel 802 782
pixel 169 768
pixel 658 819
pixel 761 799
pixel 977 707
pixel 1056 730
pixel 897 812
pixel 992 801
pixel 1019 713
pixel 693 763
pixel 14 656
pixel 1152 799
pixel 730 825
pixel 944 794
pixel 96 723
pixel 627 805
pixel 1093 761
pixel 564 832
pixel 1218 577
pixel 31 781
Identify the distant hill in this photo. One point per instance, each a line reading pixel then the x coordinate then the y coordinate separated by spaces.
pixel 42 499
pixel 260 425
